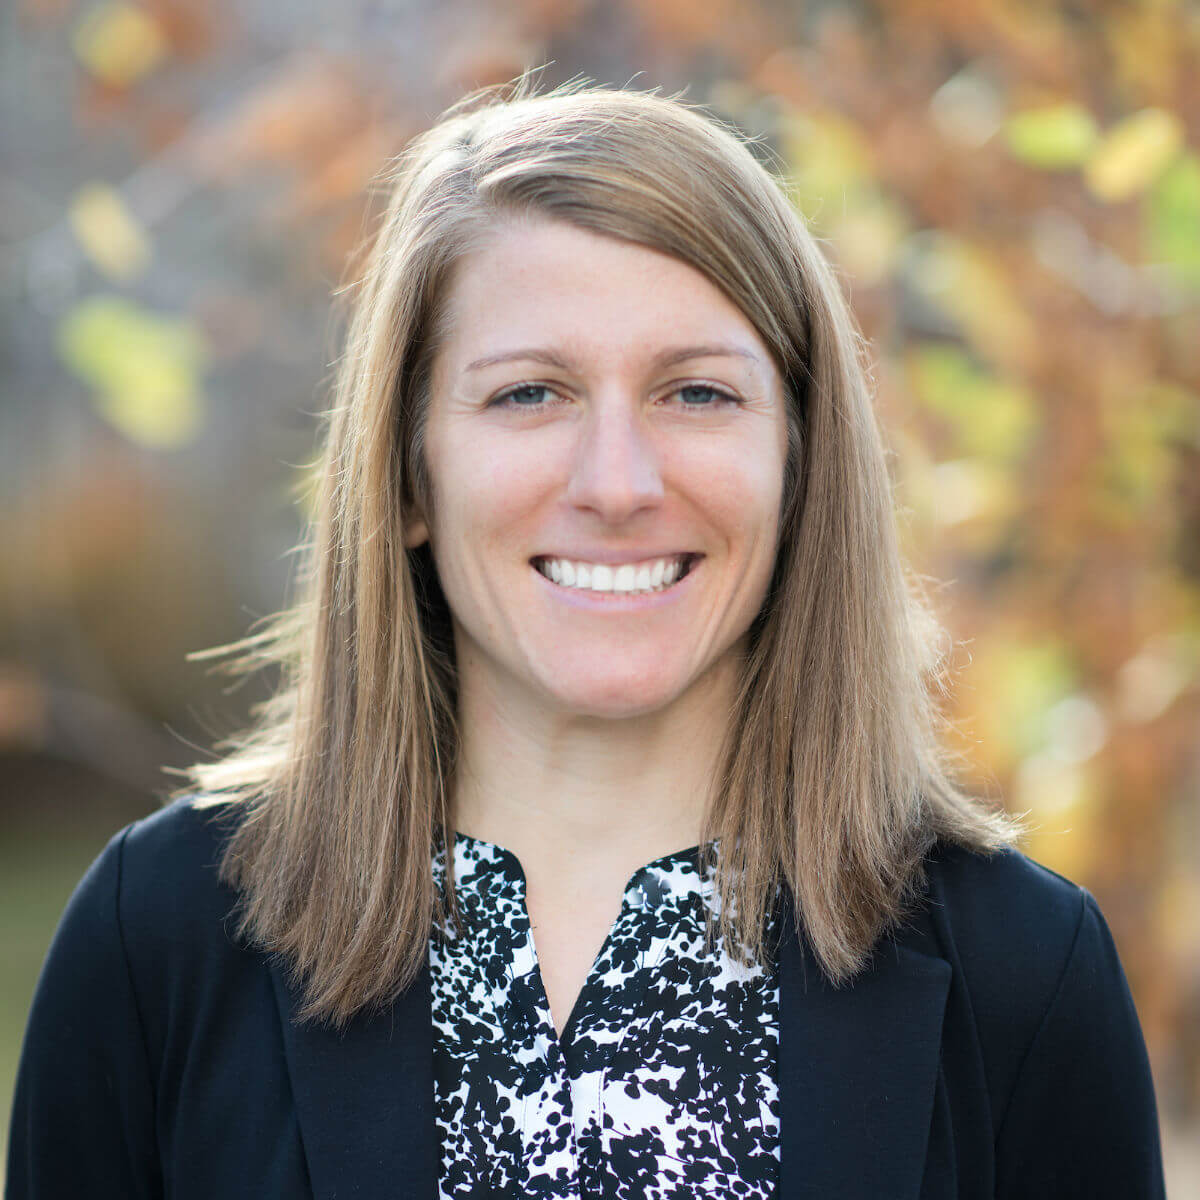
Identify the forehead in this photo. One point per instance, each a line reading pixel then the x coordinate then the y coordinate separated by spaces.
pixel 540 282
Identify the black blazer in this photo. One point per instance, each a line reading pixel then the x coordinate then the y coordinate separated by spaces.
pixel 991 1049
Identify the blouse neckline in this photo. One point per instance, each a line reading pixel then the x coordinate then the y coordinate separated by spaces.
pixel 644 888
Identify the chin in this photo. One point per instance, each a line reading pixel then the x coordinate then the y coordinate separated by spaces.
pixel 614 700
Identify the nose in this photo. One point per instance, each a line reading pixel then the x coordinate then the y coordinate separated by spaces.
pixel 615 469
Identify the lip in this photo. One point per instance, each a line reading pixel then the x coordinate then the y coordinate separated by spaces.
pixel 618 558
pixel 619 602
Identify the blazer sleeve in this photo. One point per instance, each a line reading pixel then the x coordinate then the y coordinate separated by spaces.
pixel 1082 1121
pixel 83 1111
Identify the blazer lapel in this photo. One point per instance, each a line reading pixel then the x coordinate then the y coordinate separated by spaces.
pixel 364 1097
pixel 857 1070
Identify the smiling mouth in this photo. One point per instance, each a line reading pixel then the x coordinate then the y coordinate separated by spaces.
pixel 626 579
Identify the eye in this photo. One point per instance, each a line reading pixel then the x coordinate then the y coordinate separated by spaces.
pixel 523 396
pixel 704 395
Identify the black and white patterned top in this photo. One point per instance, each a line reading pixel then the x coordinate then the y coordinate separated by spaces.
pixel 663 1083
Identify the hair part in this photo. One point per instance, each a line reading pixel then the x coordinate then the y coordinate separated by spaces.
pixel 835 780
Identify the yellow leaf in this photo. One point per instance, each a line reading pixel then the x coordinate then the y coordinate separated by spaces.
pixel 119 43
pixel 1060 799
pixel 156 422
pixel 1016 682
pixel 828 158
pixel 144 368
pixel 1133 153
pixel 108 232
pixel 867 237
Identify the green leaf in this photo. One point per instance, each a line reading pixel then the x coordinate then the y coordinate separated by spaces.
pixel 1052 138
pixel 1137 467
pixel 144 368
pixel 992 419
pixel 1172 219
pixel 1023 681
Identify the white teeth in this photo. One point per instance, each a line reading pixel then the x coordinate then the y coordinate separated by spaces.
pixel 625 579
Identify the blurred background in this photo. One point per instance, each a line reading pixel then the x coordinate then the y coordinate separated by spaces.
pixel 1010 190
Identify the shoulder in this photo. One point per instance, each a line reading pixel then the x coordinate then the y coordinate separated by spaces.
pixel 1008 926
pixel 170 894
pixel 173 855
pixel 153 896
pixel 161 866
pixel 997 910
pixel 1006 876
pixel 1034 965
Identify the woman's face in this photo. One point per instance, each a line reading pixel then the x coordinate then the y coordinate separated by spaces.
pixel 601 418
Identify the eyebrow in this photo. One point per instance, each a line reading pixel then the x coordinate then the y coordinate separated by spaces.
pixel 667 358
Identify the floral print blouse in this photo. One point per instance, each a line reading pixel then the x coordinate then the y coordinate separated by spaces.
pixel 663 1082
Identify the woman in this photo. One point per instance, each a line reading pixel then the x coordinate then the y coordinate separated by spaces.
pixel 598 841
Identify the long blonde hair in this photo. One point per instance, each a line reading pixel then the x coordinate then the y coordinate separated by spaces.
pixel 835 779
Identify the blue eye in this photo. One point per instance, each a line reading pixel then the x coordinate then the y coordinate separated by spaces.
pixel 702 391
pixel 525 395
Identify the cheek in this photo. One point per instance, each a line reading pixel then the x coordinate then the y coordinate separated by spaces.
pixel 741 490
pixel 485 491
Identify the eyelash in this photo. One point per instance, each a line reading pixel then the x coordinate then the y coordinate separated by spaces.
pixel 501 400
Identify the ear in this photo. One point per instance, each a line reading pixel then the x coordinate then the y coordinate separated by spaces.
pixel 416 530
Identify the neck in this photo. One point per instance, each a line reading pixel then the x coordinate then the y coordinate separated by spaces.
pixel 589 797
